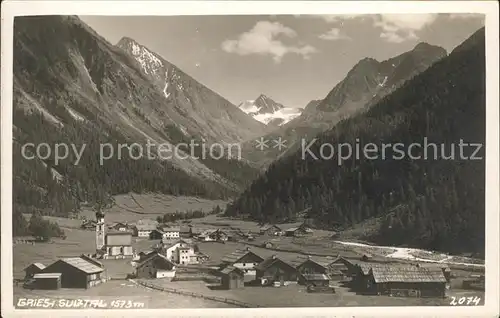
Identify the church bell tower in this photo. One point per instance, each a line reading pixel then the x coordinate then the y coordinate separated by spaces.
pixel 99 230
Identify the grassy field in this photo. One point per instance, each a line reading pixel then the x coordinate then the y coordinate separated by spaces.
pixel 297 296
pixel 121 290
pixel 133 207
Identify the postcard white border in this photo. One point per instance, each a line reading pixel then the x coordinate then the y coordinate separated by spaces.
pixel 10 9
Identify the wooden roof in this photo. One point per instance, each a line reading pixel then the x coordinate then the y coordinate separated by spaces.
pixel 82 264
pixel 40 266
pixel 407 274
pixel 230 269
pixel 267 227
pixel 270 261
pixel 151 256
pixel 237 255
pixel 301 259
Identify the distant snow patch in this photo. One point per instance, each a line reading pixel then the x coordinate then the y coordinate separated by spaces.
pixel 166 86
pixel 383 82
pixel 75 115
pixel 286 114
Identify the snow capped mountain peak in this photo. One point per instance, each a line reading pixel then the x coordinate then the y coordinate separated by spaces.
pixel 269 112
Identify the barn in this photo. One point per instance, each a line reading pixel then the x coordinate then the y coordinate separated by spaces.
pixel 403 281
pixel 155 265
pixel 273 270
pixel 77 272
pixel 33 269
pixel 310 265
pixel 271 230
pixel 295 231
pixel 143 229
pixel 232 278
pixel 348 268
pixel 246 260
pixel 119 226
pixel 47 281
pixel 317 280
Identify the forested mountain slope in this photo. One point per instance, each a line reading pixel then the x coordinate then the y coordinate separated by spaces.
pixel 73 87
pixel 432 203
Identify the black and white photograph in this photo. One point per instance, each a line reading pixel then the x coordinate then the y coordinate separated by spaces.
pixel 227 155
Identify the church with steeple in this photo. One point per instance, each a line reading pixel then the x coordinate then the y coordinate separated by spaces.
pixel 111 244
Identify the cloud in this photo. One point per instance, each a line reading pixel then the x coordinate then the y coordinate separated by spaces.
pixel 334 34
pixel 398 28
pixel 395 28
pixel 261 40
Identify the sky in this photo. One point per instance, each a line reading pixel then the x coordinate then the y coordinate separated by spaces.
pixel 293 59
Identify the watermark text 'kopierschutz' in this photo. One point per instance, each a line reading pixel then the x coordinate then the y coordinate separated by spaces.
pixel 390 151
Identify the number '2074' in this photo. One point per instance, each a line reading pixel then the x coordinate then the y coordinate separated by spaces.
pixel 465 301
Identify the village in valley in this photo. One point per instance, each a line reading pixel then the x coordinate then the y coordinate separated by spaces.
pixel 221 262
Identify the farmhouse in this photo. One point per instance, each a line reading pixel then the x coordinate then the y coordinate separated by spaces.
pixel 403 281
pixel 77 272
pixel 245 260
pixel 143 230
pixel 119 227
pixel 89 225
pixel 171 233
pixel 271 230
pixel 156 234
pixel 273 270
pixel 213 235
pixel 47 281
pixel 180 252
pixel 155 265
pixel 294 231
pixel 201 257
pixel 232 278
pixel 33 269
pixel 309 265
pixel 347 267
pixel 336 270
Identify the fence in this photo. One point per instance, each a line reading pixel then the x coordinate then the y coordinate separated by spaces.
pixel 191 294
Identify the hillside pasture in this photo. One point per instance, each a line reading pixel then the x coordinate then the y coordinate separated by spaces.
pixel 133 207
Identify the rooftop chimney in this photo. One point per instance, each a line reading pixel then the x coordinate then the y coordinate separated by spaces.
pixel 248 248
pixel 274 256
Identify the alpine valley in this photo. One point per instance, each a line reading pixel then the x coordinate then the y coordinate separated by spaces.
pixel 72 86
